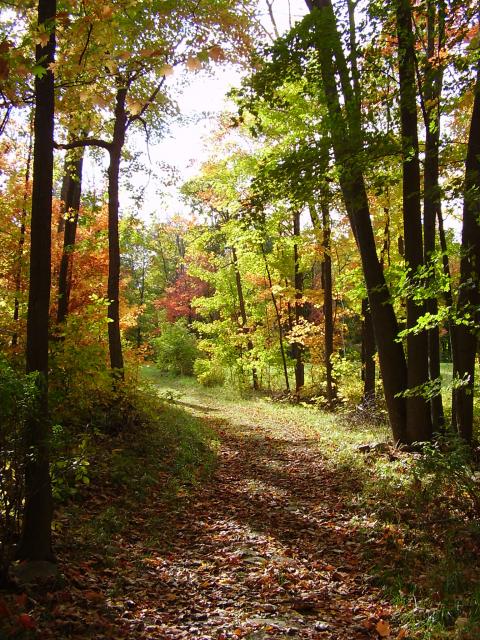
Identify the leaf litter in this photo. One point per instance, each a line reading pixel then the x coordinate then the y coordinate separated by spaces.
pixel 266 547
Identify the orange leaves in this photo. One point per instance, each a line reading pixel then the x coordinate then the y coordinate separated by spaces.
pixel 383 629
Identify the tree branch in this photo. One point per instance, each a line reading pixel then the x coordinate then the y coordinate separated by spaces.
pixel 86 142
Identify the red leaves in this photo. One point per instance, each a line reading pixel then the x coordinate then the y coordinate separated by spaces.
pixel 26 621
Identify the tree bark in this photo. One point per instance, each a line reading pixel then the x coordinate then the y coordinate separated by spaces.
pixel 113 290
pixel 469 295
pixel 431 189
pixel 297 347
pixel 36 541
pixel 243 312
pixel 419 423
pixel 345 134
pixel 71 194
pixel 368 354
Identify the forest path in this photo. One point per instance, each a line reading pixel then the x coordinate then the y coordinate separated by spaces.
pixel 267 546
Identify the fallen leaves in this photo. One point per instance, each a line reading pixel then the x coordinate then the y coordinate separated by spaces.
pixel 264 548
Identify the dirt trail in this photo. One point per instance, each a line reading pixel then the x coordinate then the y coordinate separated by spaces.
pixel 265 548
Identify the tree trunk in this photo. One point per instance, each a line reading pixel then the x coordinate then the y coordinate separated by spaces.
pixel 431 197
pixel 469 296
pixel 279 322
pixel 113 292
pixel 328 303
pixel 297 347
pixel 326 274
pixel 419 423
pixel 243 312
pixel 71 194
pixel 368 354
pixel 21 244
pixel 346 141
pixel 36 541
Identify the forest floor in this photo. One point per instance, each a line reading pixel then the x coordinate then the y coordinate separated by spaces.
pixel 270 545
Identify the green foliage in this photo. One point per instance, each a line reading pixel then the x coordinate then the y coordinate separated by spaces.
pixel 447 469
pixel 209 372
pixel 70 464
pixel 346 373
pixel 176 348
pixel 17 401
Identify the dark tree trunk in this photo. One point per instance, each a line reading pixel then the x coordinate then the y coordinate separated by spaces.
pixel 21 244
pixel 243 313
pixel 36 541
pixel 113 292
pixel 368 354
pixel 328 303
pixel 297 347
pixel 469 296
pixel 419 423
pixel 71 194
pixel 431 201
pixel 346 141
pixel 324 228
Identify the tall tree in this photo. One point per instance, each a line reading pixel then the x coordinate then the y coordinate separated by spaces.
pixel 35 543
pixel 419 423
pixel 468 304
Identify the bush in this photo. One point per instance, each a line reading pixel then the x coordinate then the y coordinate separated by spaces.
pixel 209 373
pixel 176 348
pixel 17 399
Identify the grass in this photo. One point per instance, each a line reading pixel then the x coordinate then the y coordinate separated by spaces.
pixel 164 453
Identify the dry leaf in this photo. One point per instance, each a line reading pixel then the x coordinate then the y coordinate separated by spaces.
pixel 383 628
pixel 193 63
pixel 166 70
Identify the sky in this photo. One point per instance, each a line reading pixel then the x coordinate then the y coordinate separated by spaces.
pixel 186 145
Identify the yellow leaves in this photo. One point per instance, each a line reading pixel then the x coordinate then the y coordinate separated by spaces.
pixel 166 70
pixel 111 66
pixel 134 106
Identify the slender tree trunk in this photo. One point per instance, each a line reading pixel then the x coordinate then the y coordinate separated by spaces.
pixel 36 542
pixel 368 354
pixel 279 321
pixel 113 291
pixel 346 138
pixel 419 422
pixel 328 302
pixel 71 194
pixel 243 313
pixel 469 295
pixel 297 347
pixel 326 274
pixel 142 299
pixel 21 243
pixel 431 201
pixel 449 301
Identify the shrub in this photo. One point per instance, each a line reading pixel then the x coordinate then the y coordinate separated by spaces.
pixel 17 398
pixel 176 348
pixel 209 373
